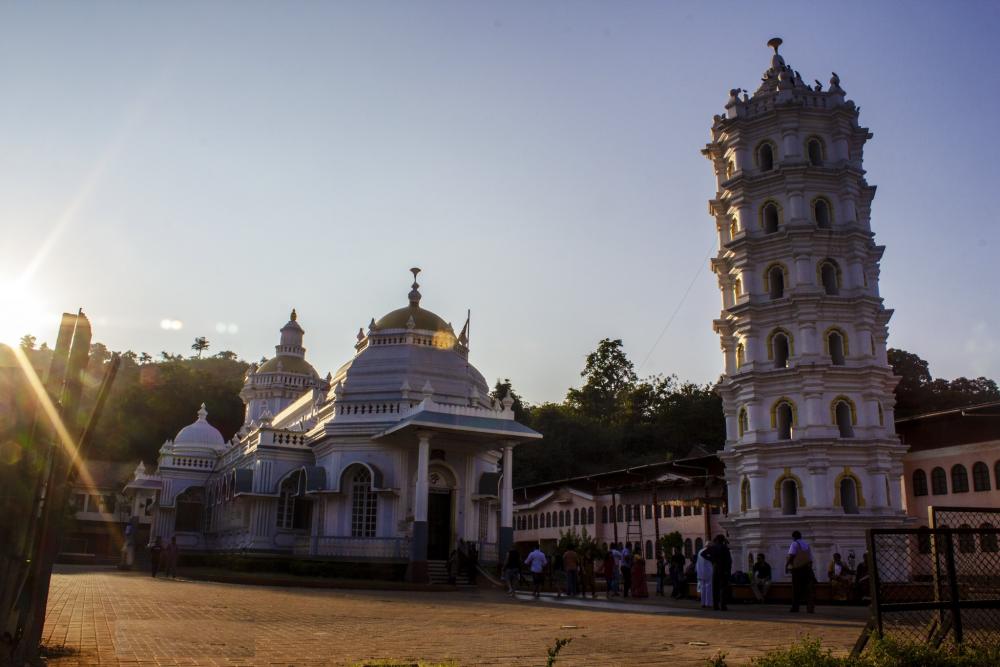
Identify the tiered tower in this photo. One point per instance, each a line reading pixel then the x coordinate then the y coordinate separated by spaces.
pixel 807 390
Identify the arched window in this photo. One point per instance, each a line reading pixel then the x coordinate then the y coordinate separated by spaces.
pixel 959 479
pixel 770 217
pixel 836 346
pixel 535 522
pixel 737 290
pixel 844 416
pixel 562 520
pixel 924 540
pixel 364 504
pixel 687 547
pixel 980 477
pixel 829 277
pixel 628 512
pixel 576 516
pixel 779 347
pixel 734 228
pixel 966 541
pixel 815 151
pixel 939 482
pixel 881 419
pixel 822 212
pixel 547 520
pixel 604 514
pixel 742 422
pixel 774 281
pixel 590 516
pixel 744 495
pixel 621 513
pixel 649 549
pixel 783 418
pixel 741 355
pixel 789 497
pixel 919 482
pixel 765 156
pixel 849 495
pixel 988 541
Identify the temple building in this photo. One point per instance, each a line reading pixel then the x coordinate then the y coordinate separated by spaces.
pixel 807 390
pixel 391 459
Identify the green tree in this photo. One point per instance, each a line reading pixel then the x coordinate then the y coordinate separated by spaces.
pixel 28 342
pixel 200 345
pixel 670 541
pixel 918 392
pixel 505 388
pixel 609 378
pixel 226 354
pixel 144 358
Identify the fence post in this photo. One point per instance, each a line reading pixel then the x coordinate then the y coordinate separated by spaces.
pixel 956 605
pixel 874 581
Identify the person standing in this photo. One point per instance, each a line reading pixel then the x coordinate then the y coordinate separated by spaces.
pixel 722 568
pixel 587 575
pixel 616 554
pixel 661 572
pixel 760 578
pixel 839 575
pixel 703 568
pixel 536 562
pixel 626 570
pixel 609 573
pixel 170 557
pixel 571 563
pixel 639 588
pixel 800 564
pixel 512 570
pixel 677 578
pixel 154 556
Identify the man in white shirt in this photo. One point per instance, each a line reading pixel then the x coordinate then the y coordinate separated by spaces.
pixel 536 562
pixel 800 564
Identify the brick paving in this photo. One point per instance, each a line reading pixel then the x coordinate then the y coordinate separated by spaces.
pixel 114 618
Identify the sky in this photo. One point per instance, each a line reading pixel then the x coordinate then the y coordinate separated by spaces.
pixel 206 167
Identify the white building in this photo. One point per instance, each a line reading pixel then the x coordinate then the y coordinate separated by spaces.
pixel 393 458
pixel 807 389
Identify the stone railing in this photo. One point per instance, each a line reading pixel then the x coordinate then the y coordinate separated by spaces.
pixel 362 548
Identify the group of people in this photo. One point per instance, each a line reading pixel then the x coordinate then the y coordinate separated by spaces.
pixel 625 572
pixel 164 557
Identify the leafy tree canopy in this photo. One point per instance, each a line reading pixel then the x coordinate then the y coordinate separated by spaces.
pixel 918 392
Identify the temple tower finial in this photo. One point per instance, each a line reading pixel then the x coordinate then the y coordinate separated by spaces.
pixel 414 292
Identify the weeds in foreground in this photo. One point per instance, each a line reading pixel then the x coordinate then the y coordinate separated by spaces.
pixel 879 653
pixel 554 651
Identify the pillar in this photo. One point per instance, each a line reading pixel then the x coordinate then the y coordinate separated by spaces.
pixel 506 536
pixel 418 543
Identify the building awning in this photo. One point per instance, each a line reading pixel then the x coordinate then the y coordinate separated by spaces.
pixel 490 427
pixel 144 484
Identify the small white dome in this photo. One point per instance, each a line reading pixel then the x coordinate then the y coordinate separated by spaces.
pixel 200 432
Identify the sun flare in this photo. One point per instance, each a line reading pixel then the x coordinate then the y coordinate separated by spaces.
pixel 22 312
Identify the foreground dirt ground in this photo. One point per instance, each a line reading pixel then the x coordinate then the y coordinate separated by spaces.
pixel 113 618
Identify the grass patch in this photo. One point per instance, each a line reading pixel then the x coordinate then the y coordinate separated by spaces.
pixel 879 653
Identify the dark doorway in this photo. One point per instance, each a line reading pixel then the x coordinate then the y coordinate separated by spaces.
pixel 438 525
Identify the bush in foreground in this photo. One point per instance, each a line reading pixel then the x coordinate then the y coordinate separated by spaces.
pixel 879 653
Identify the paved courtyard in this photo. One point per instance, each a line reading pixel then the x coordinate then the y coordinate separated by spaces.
pixel 110 618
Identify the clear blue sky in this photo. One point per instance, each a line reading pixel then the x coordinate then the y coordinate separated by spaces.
pixel 220 163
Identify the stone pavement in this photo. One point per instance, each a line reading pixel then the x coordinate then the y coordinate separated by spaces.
pixel 105 617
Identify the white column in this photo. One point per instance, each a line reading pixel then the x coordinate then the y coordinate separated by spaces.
pixel 507 497
pixel 423 485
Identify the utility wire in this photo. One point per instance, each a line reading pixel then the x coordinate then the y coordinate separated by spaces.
pixel 697 274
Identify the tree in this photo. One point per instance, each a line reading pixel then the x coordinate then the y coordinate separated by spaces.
pixel 670 541
pixel 227 355
pixel 144 358
pixel 610 377
pixel 28 342
pixel 200 345
pixel 505 388
pixel 919 393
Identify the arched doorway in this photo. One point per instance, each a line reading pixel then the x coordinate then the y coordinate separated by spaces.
pixel 440 512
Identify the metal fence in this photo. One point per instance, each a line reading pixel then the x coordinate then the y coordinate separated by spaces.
pixel 937 585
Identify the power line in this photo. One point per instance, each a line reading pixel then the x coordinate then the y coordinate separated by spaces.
pixel 697 273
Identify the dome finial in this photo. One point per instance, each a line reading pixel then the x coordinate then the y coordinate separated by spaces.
pixel 294 316
pixel 414 293
pixel 202 413
pixel 774 43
